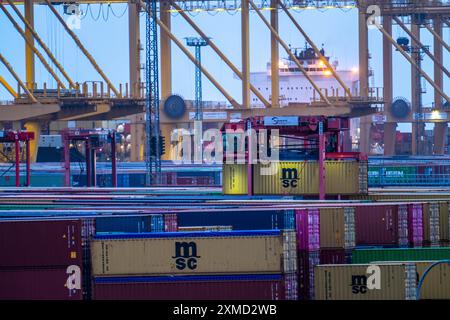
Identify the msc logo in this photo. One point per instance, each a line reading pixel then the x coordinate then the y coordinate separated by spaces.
pixel 74 279
pixel 186 255
pixel 371 281
pixel 289 177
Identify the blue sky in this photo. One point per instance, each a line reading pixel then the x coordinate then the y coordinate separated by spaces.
pixel 108 43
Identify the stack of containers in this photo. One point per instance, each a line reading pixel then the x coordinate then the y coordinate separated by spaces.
pixel 240 219
pixel 325 236
pixel 130 224
pixel 195 265
pixel 436 223
pixel 437 281
pixel 44 259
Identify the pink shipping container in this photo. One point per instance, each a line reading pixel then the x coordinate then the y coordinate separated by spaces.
pixel 415 225
pixel 38 284
pixel 40 243
pixel 308 229
pixel 380 225
pixel 170 222
pixel 230 287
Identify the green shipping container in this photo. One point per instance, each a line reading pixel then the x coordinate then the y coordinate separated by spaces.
pixel 380 175
pixel 400 254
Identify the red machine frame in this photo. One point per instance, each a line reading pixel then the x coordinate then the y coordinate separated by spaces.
pixel 16 137
pixel 319 128
pixel 87 136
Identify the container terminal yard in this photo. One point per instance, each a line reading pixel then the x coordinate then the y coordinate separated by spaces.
pixel 305 187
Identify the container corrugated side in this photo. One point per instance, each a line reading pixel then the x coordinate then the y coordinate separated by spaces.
pixel 234 179
pixel 239 219
pixel 325 228
pixel 307 260
pixel 40 243
pixel 415 225
pixel 349 282
pixel 332 229
pixel 301 177
pixel 377 225
pixel 38 284
pixel 189 253
pixel 444 211
pixel 400 254
pixel 145 223
pixel 437 281
pixel 431 224
pixel 236 287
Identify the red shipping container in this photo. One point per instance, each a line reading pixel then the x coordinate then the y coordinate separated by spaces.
pixel 40 243
pixel 171 222
pixel 40 284
pixel 377 225
pixel 245 287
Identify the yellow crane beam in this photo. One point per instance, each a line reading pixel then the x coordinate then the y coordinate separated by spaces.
pixel 8 88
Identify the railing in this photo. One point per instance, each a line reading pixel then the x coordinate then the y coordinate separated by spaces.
pixel 373 95
pixel 412 179
pixel 88 89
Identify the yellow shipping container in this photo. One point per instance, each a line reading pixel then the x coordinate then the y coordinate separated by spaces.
pixel 264 252
pixel 437 282
pixel 337 228
pixel 365 282
pixel 234 179
pixel 298 178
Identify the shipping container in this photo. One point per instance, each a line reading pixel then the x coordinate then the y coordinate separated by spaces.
pixel 40 243
pixel 130 224
pixel 365 282
pixel 325 228
pixel 239 219
pixel 308 229
pixel 297 178
pixel 205 228
pixel 269 251
pixel 400 254
pixel 436 284
pixel 41 284
pixel 444 218
pixel 383 225
pixel 431 224
pixel 223 287
pixel 415 224
pixel 307 260
pixel 170 222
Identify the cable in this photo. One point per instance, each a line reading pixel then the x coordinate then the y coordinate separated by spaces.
pixel 121 15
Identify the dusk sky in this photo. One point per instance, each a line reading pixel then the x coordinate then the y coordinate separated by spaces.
pixel 108 43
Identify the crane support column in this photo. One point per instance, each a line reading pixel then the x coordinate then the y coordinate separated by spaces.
pixel 166 52
pixel 389 127
pixel 322 144
pixel 364 140
pixel 245 39
pixel 29 53
pixel 275 56
pixel 166 70
pixel 134 44
pixel 440 129
pixel 17 160
pixel 416 90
